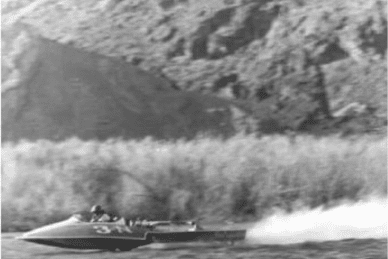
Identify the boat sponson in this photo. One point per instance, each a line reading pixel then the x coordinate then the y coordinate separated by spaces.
pixel 165 237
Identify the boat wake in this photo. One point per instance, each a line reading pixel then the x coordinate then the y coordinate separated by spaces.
pixel 365 219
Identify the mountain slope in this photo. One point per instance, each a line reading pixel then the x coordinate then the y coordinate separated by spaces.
pixel 307 66
pixel 66 91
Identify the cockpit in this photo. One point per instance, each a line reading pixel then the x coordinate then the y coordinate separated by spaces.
pixel 79 218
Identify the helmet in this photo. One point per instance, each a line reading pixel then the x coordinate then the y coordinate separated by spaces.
pixel 96 209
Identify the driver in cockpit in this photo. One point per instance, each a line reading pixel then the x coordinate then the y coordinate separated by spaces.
pixel 99 214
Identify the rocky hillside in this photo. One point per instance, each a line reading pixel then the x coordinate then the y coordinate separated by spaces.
pixel 63 91
pixel 312 66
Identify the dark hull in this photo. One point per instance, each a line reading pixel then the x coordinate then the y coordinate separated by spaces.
pixel 91 243
pixel 231 235
pixel 111 236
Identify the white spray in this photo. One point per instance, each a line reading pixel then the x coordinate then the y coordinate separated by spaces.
pixel 366 219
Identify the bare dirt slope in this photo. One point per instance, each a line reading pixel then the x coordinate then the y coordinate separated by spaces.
pixel 63 91
pixel 366 248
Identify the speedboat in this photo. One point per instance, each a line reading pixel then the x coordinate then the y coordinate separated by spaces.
pixel 77 233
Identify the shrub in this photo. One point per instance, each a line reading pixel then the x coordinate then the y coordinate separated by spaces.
pixel 242 177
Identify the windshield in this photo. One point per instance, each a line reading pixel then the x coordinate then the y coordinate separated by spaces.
pixel 76 218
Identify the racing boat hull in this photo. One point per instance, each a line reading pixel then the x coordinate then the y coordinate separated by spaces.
pixel 90 243
pixel 111 236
